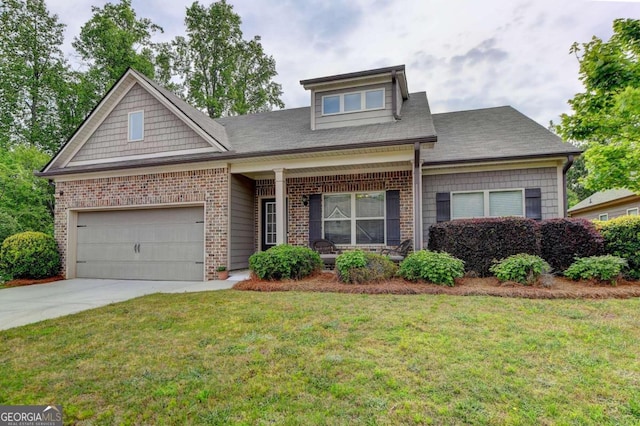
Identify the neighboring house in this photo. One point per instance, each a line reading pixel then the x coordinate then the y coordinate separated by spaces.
pixel 150 188
pixel 605 205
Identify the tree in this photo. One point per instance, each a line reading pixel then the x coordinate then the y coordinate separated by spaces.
pixel 33 72
pixel 110 42
pixel 224 74
pixel 26 201
pixel 606 116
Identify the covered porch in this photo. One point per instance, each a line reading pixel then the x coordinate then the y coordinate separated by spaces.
pixel 361 198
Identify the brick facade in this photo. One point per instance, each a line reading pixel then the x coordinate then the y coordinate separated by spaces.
pixel 157 189
pixel 296 187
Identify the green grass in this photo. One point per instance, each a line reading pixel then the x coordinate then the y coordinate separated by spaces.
pixel 313 358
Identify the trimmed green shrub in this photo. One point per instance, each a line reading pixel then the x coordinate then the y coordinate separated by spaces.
pixel 30 255
pixel 562 240
pixel 522 268
pixel 8 226
pixel 622 239
pixel 435 267
pixel 285 262
pixel 359 267
pixel 603 268
pixel 478 242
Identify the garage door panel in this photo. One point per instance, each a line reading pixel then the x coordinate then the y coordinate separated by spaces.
pixel 155 244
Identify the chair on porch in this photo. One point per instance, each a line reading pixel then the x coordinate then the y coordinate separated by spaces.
pixel 327 250
pixel 397 254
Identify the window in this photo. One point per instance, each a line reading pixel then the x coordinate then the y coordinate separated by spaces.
pixel 487 204
pixel 136 126
pixel 354 218
pixel 633 211
pixel 603 216
pixel 353 102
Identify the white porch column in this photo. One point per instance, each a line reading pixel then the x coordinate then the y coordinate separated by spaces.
pixel 281 214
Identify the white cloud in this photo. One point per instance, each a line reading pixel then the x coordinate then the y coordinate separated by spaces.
pixel 466 54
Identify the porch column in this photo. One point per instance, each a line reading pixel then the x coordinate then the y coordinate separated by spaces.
pixel 417 198
pixel 281 214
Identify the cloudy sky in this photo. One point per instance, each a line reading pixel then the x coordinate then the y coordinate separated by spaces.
pixel 465 54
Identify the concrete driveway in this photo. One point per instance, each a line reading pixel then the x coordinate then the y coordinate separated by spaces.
pixel 29 304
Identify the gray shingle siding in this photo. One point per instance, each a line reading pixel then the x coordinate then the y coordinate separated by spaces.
pixel 545 178
pixel 354 118
pixel 163 131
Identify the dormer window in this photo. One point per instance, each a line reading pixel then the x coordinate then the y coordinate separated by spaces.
pixel 353 102
pixel 136 126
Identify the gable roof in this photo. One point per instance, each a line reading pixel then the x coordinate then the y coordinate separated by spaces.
pixel 492 134
pixel 211 131
pixel 603 197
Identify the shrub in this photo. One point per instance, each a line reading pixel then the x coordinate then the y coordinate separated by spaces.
pixel 30 255
pixel 435 267
pixel 285 262
pixel 8 226
pixel 622 239
pixel 478 242
pixel 562 240
pixel 522 268
pixel 603 268
pixel 357 267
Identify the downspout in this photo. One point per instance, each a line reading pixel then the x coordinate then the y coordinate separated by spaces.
pixel 394 101
pixel 417 198
pixel 565 169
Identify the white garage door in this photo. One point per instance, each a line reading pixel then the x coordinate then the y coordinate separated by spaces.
pixel 155 244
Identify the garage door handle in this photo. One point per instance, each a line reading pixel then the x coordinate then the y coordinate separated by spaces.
pixel 136 248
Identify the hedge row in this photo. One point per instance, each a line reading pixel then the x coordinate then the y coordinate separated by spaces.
pixel 622 239
pixel 481 242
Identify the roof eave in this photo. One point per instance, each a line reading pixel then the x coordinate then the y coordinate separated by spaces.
pixel 232 156
pixel 502 158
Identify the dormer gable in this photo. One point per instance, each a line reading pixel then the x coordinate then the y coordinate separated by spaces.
pixel 358 98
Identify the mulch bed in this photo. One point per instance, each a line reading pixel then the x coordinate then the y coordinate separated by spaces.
pixel 28 281
pixel 549 287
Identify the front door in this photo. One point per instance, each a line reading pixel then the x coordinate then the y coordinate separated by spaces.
pixel 268 237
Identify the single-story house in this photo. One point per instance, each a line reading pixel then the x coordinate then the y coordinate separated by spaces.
pixel 605 205
pixel 148 187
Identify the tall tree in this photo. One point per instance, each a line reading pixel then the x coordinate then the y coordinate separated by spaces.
pixel 606 116
pixel 110 42
pixel 223 73
pixel 33 71
pixel 26 201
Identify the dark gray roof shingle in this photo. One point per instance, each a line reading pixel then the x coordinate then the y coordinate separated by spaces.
pixel 290 129
pixel 492 133
pixel 601 198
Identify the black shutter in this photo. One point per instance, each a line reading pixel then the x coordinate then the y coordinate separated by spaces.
pixel 443 206
pixel 315 217
pixel 533 203
pixel 393 218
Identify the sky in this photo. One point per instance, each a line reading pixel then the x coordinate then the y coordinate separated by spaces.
pixel 466 54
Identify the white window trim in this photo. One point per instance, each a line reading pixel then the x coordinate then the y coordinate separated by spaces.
pixel 129 126
pixel 633 209
pixel 486 205
pixel 603 215
pixel 363 100
pixel 353 217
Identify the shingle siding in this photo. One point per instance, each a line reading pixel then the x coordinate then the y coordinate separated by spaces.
pixel 163 130
pixel 612 210
pixel 354 118
pixel 545 178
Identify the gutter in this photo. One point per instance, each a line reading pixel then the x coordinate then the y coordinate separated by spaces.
pixel 502 158
pixel 232 156
pixel 565 169
pixel 394 89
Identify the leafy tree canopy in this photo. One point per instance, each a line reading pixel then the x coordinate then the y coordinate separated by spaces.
pixel 606 116
pixel 223 73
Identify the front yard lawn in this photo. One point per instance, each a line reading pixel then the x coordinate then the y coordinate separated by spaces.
pixel 323 358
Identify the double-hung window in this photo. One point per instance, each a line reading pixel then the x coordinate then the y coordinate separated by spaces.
pixel 487 203
pixel 136 126
pixel 353 102
pixel 356 218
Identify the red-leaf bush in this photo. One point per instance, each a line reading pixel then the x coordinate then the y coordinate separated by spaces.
pixel 479 242
pixel 564 240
